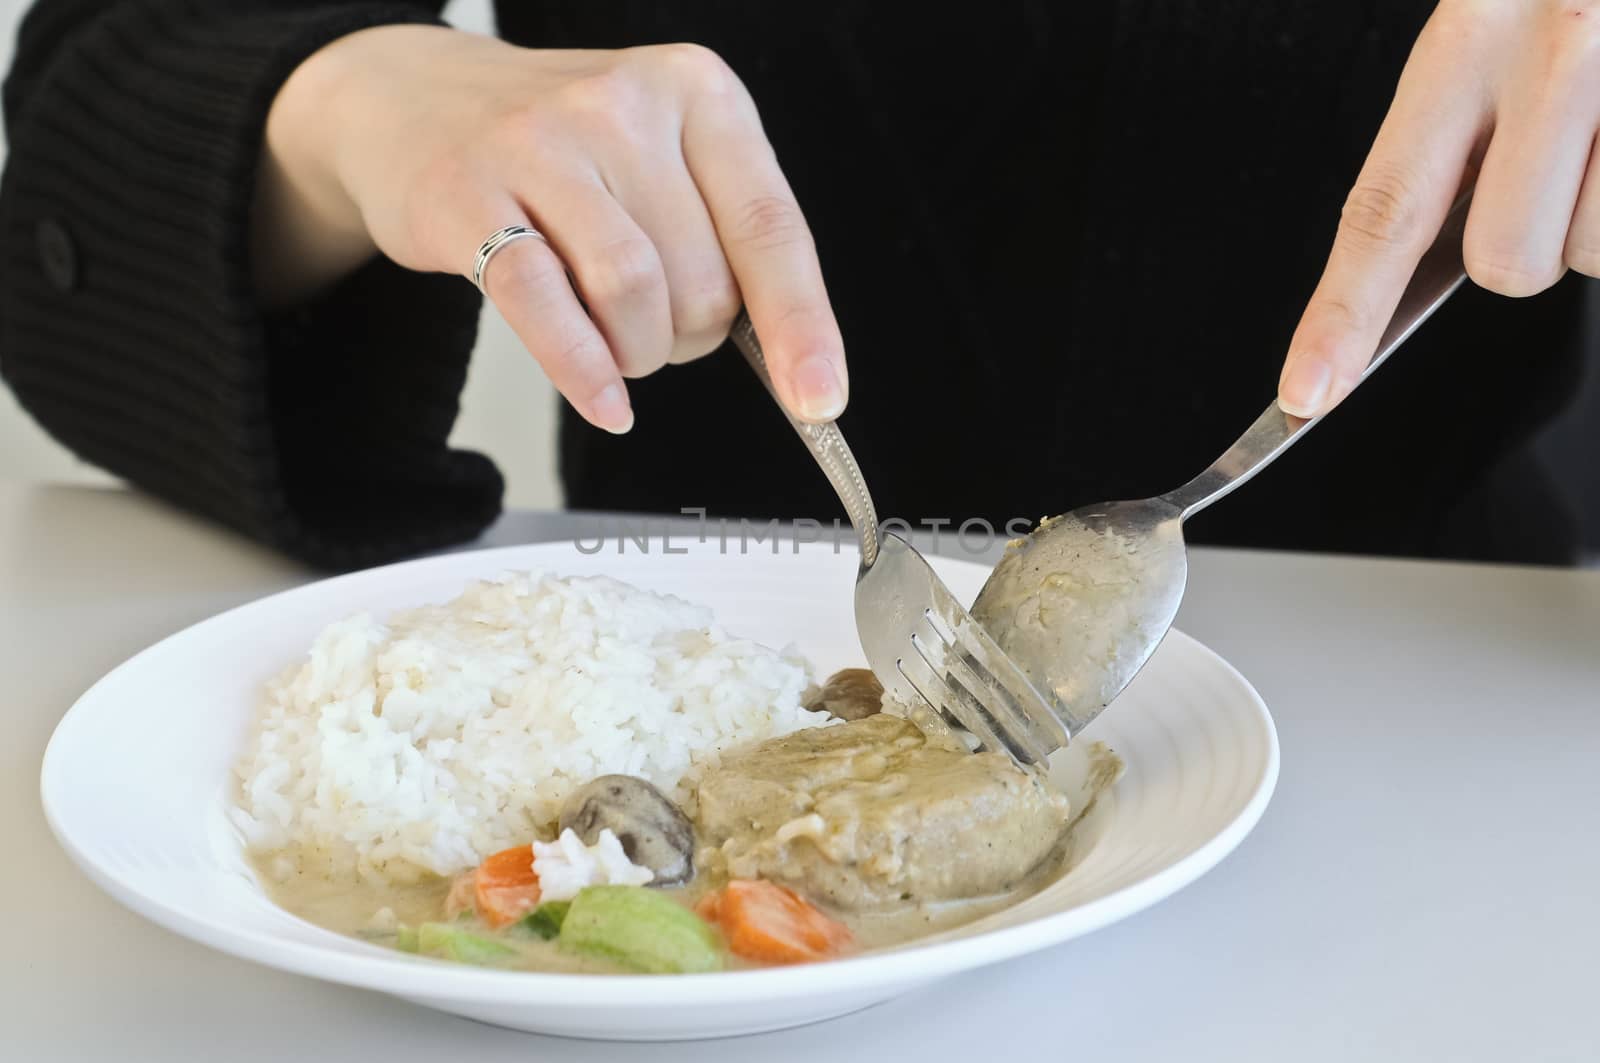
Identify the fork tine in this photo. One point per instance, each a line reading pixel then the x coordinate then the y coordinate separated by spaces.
pixel 938 693
pixel 1033 712
pixel 997 707
pixel 1011 722
pixel 953 665
pixel 1032 723
pixel 916 672
pixel 1012 739
pixel 971 680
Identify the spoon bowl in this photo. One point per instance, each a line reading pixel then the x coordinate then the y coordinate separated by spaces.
pixel 1081 603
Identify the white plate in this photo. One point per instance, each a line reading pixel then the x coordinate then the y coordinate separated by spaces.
pixel 137 777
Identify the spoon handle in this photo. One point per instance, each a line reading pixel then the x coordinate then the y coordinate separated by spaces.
pixel 826 444
pixel 1437 276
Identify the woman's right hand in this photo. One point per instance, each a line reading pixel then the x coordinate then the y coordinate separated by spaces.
pixel 646 168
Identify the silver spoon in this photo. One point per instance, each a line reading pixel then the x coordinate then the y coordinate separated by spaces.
pixel 1082 602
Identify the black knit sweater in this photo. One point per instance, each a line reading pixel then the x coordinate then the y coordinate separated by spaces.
pixel 1067 245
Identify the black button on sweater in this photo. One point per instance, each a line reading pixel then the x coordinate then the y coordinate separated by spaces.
pixel 58 256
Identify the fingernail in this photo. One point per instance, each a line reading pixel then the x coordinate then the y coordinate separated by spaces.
pixel 818 388
pixel 610 409
pixel 1305 387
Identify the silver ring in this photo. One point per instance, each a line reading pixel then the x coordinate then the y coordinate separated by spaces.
pixel 495 242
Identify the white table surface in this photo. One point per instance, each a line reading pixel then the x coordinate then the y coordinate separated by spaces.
pixel 1425 885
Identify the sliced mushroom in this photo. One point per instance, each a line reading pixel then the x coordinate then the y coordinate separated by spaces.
pixel 849 694
pixel 653 831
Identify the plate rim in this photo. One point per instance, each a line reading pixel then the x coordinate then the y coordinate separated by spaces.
pixel 439 980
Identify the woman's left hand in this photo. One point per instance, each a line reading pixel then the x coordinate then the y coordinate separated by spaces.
pixel 1508 90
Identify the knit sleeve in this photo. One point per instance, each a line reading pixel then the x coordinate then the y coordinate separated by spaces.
pixel 128 324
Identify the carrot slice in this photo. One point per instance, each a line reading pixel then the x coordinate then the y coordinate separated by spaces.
pixel 769 923
pixel 506 886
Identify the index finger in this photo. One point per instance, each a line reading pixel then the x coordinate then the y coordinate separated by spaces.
pixel 1398 203
pixel 771 253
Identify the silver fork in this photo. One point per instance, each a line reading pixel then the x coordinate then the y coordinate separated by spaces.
pixel 918 639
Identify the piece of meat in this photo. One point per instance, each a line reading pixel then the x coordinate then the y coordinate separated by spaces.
pixel 874 814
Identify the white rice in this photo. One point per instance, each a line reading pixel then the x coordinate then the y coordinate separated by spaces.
pixel 424 743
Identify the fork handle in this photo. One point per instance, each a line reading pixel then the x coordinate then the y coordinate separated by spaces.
pixel 1438 275
pixel 826 444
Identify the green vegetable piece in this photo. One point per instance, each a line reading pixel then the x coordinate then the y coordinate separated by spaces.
pixel 639 929
pixel 545 920
pixel 405 939
pixel 442 939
